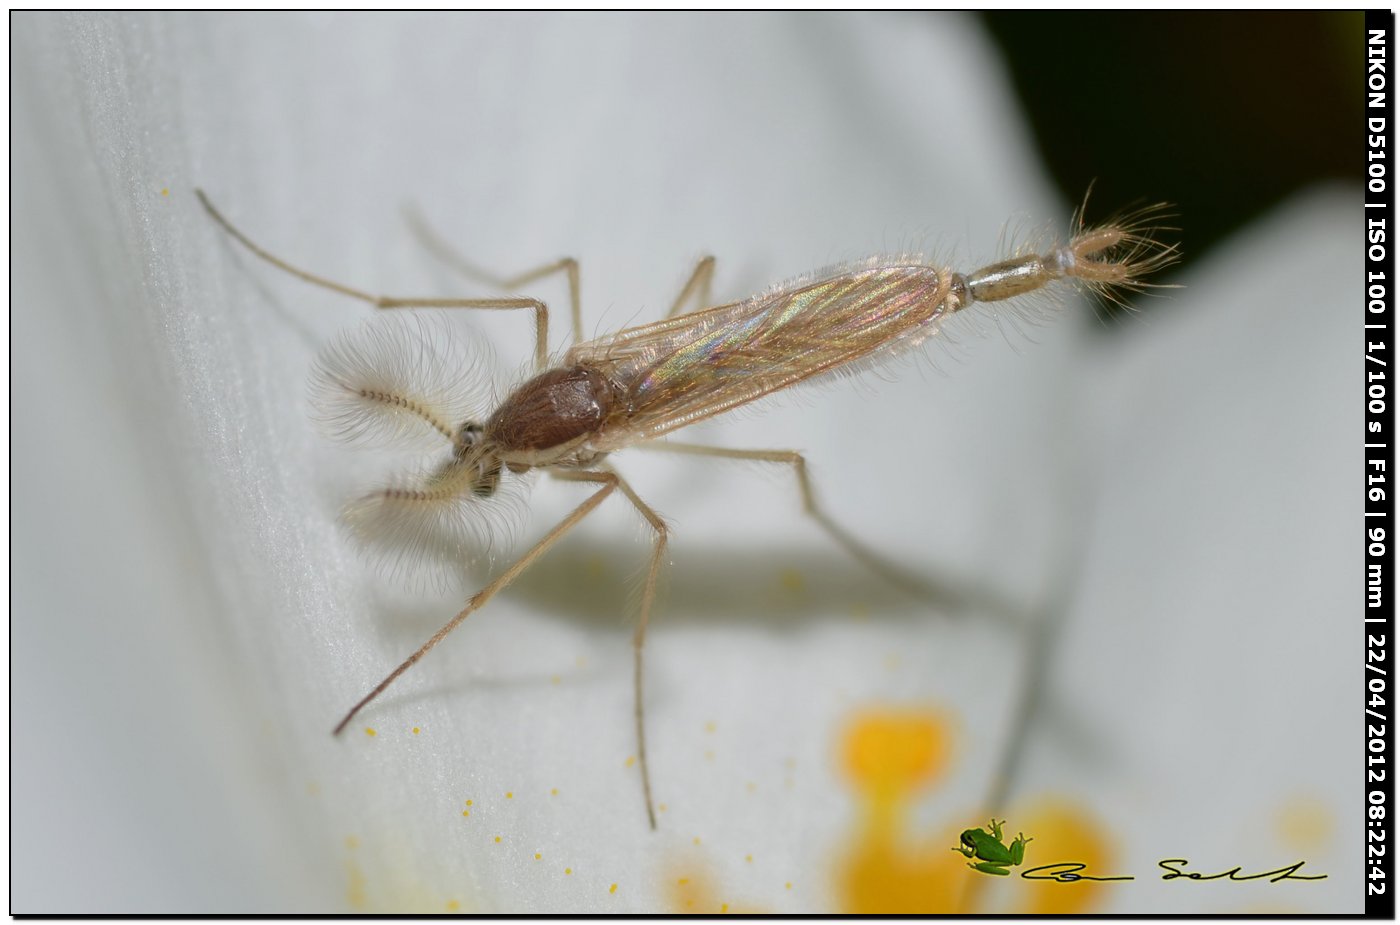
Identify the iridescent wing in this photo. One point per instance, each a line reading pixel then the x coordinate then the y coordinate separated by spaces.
pixel 676 372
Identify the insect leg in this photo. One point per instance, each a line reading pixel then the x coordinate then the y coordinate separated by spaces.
pixel 697 287
pixel 485 594
pixel 448 255
pixel 854 547
pixel 540 309
pixel 639 638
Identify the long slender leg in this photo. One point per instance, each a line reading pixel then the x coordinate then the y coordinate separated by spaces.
pixel 379 301
pixel 858 550
pixel 485 594
pixel 697 287
pixel 639 638
pixel 445 252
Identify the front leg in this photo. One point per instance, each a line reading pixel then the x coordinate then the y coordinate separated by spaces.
pixel 658 556
pixel 448 255
pixel 380 301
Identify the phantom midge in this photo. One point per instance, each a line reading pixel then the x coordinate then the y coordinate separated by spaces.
pixel 396 384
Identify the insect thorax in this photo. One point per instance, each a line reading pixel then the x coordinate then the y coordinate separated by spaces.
pixel 548 419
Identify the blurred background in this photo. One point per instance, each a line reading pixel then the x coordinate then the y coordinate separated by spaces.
pixel 1227 114
pixel 1139 524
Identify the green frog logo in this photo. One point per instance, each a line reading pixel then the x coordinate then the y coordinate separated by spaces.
pixel 992 855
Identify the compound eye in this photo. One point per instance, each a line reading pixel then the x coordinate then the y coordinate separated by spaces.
pixel 468 436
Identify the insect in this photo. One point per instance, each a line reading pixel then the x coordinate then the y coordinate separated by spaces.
pixel 632 387
pixel 993 856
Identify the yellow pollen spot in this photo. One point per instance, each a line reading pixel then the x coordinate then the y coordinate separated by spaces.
pixel 416 730
pixel 788 885
pixel 469 802
pixel 466 812
pixel 554 791
pixel 711 726
pixel 1304 823
pixel 165 191
pixel 683 881
pixel 510 795
pixel 631 760
pixel 661 807
pixel 613 888
pixel 538 855
pixel 370 732
pixel 697 839
pixel 1064 829
pixel 724 907
pixel 749 858
pixel 453 905
pixel 568 871
pixel 890 752
pixel 498 839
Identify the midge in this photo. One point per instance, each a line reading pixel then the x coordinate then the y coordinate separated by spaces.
pixel 628 388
